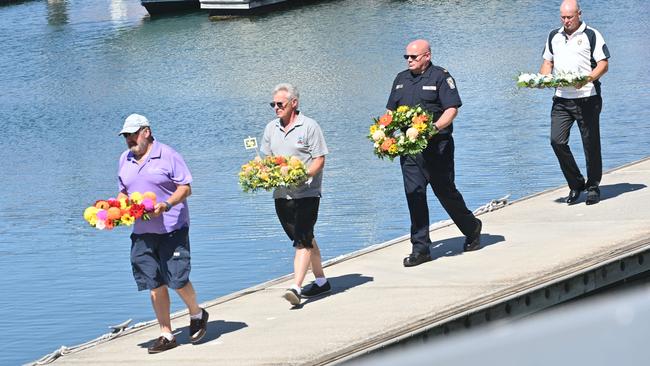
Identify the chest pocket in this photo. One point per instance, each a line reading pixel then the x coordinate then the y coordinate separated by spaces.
pixel 428 93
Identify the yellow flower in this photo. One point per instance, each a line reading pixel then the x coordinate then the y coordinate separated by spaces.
pixel 294 162
pixel 402 109
pixel 392 149
pixel 136 197
pixel 90 213
pixel 123 204
pixel 421 127
pixel 127 219
pixel 373 128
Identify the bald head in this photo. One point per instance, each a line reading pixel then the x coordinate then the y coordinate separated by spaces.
pixel 570 5
pixel 418 56
pixel 417 47
pixel 570 15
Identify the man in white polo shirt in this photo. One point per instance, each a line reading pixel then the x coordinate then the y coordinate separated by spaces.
pixel 575 47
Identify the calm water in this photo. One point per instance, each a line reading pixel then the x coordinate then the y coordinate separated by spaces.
pixel 71 72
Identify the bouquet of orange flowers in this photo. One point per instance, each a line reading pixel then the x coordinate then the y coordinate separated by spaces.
pixel 405 131
pixel 106 214
pixel 272 172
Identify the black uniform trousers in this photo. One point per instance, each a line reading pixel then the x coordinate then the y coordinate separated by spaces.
pixel 586 111
pixel 435 166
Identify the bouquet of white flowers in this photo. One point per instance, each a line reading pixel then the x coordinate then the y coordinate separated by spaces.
pixel 550 81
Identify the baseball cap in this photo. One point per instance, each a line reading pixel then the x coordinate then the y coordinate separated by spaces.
pixel 133 123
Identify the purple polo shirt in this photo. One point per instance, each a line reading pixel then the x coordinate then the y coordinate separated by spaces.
pixel 163 169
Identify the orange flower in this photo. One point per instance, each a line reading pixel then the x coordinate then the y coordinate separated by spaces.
pixel 114 213
pixel 386 119
pixel 280 160
pixel 387 144
pixel 422 118
pixel 102 205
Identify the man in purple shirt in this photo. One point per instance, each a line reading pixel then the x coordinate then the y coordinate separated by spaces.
pixel 160 247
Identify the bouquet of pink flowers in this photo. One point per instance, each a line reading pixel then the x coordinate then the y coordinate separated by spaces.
pixel 107 214
pixel 272 172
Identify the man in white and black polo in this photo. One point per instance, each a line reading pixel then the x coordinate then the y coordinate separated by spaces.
pixel 575 47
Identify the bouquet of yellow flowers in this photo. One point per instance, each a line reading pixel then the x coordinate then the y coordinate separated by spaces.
pixel 272 172
pixel 106 214
pixel 405 131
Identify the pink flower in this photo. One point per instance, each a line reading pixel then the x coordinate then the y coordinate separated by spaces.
pixel 102 215
pixel 148 204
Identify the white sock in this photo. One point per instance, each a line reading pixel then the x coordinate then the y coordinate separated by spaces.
pixel 296 288
pixel 169 336
pixel 320 281
pixel 197 316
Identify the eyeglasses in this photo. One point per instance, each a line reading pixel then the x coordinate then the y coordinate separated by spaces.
pixel 414 57
pixel 279 104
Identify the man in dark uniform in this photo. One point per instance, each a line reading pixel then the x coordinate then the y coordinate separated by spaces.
pixel 433 88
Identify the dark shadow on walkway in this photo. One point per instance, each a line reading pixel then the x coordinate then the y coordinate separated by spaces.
pixel 339 285
pixel 216 328
pixel 454 246
pixel 607 191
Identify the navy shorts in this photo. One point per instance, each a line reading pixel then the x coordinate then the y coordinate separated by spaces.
pixel 161 259
pixel 298 217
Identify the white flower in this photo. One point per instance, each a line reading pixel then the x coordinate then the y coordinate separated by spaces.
pixel 284 170
pixel 412 134
pixel 525 78
pixel 101 224
pixel 378 135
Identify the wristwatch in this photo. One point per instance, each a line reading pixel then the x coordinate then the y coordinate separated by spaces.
pixel 168 206
pixel 435 128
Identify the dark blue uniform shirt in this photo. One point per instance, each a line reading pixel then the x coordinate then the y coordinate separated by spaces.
pixel 435 90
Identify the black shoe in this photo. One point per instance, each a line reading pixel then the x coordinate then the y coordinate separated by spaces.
pixel 415 259
pixel 292 296
pixel 474 242
pixel 314 290
pixel 162 344
pixel 198 327
pixel 593 195
pixel 573 197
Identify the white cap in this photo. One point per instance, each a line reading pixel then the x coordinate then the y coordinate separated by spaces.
pixel 133 123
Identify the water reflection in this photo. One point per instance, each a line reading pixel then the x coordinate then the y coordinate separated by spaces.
pixel 67 88
pixel 57 12
pixel 118 11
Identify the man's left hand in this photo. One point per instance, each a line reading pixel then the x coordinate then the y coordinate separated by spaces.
pixel 583 83
pixel 158 210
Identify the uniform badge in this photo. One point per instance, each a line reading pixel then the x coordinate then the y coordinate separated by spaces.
pixel 579 41
pixel 450 81
pixel 428 87
pixel 399 86
pixel 301 140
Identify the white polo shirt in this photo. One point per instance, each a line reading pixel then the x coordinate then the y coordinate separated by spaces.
pixel 573 53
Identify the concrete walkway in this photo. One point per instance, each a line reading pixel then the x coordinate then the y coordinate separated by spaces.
pixel 375 299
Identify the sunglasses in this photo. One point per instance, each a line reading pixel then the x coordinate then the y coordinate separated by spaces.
pixel 129 134
pixel 414 57
pixel 279 104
